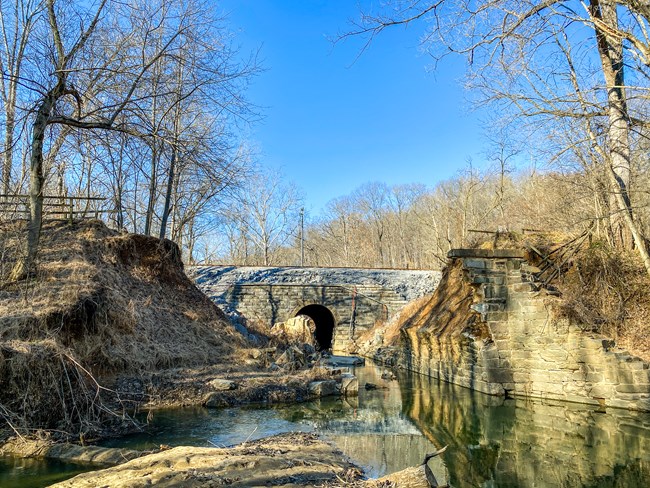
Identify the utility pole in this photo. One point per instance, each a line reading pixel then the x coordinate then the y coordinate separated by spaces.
pixel 302 236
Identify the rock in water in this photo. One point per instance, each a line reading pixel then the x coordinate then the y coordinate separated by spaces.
pixel 296 459
pixel 219 384
pixel 323 388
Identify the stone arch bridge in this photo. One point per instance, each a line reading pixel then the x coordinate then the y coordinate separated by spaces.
pixel 342 302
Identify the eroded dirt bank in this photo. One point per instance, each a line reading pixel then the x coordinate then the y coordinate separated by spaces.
pixel 110 325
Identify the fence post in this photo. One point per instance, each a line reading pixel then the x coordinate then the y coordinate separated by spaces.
pixel 71 209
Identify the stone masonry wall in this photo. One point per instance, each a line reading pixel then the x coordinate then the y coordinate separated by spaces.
pixel 270 304
pixel 522 352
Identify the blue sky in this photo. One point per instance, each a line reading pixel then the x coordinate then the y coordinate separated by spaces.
pixel 335 119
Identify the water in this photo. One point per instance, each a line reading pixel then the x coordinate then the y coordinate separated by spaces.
pixel 492 442
pixel 33 473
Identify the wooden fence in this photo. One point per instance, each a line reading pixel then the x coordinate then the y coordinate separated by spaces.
pixel 16 207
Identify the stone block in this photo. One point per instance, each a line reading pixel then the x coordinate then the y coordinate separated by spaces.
pixel 499 375
pixel 518 355
pixel 643 405
pixel 498 316
pixel 636 365
pixel 555 388
pixel 632 397
pixel 520 287
pixel 557 356
pixel 594 377
pixel 505 355
pixel 219 384
pixel 490 352
pixel 618 403
pixel 624 376
pixel 349 385
pixel 475 263
pixel 633 388
pixel 641 376
pixel 575 388
pixel 495 291
pixel 486 253
pixel 323 388
pixel 601 391
pixel 520 376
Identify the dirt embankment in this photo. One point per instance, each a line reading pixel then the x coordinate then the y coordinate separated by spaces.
pixel 446 312
pixel 111 323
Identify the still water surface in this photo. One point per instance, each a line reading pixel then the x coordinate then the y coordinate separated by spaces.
pixel 492 442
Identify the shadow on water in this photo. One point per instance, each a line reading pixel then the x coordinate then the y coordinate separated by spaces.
pixel 492 442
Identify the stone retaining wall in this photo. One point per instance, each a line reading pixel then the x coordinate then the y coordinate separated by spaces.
pixel 519 350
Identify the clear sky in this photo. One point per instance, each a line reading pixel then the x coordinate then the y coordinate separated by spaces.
pixel 335 119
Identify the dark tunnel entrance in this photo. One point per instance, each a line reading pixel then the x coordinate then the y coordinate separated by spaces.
pixel 324 321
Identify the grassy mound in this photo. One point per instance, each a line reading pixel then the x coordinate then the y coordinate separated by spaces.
pixel 102 304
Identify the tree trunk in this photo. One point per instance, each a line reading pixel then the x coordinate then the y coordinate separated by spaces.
pixel 610 48
pixel 9 150
pixel 152 189
pixel 26 266
pixel 168 192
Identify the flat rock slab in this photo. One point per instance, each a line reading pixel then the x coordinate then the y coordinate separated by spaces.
pixel 219 384
pixel 486 253
pixel 101 456
pixel 345 361
pixel 293 459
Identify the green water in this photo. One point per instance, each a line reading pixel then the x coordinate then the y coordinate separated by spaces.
pixel 492 442
pixel 32 473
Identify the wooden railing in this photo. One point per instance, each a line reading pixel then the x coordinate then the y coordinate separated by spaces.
pixel 16 206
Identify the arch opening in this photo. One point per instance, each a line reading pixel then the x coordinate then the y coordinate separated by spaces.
pixel 324 321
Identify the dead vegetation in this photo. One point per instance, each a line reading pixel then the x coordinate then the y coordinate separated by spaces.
pixel 102 304
pixel 608 291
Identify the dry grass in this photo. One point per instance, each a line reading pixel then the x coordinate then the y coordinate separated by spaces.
pixel 102 303
pixel 608 291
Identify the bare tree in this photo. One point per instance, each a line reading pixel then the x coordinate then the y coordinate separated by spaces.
pixel 62 99
pixel 87 70
pixel 268 213
pixel 537 59
pixel 16 27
